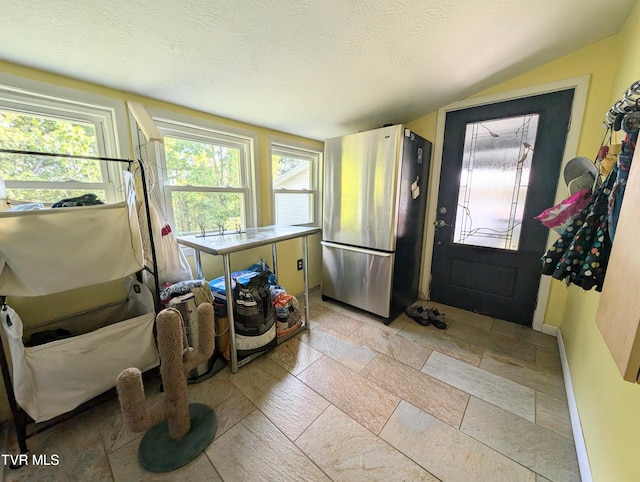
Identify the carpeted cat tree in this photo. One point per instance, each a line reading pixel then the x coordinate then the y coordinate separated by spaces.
pixel 177 431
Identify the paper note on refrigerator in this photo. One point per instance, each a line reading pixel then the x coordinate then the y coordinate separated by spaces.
pixel 415 188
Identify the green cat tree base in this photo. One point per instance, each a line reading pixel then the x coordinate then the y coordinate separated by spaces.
pixel 158 452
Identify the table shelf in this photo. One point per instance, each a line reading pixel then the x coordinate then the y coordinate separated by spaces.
pixel 226 244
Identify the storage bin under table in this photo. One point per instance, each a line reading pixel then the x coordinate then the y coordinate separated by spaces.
pixel 225 244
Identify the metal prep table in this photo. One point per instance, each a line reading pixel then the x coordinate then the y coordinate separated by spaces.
pixel 225 244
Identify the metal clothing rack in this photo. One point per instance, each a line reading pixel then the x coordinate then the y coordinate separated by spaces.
pixel 20 417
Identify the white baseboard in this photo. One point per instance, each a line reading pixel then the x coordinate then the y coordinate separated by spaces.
pixel 550 330
pixel 576 426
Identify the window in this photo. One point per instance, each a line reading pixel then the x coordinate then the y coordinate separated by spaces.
pixel 494 181
pixel 206 178
pixel 294 177
pixel 33 121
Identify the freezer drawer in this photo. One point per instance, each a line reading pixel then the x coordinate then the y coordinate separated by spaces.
pixel 358 277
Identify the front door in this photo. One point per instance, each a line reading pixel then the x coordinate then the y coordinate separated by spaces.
pixel 500 168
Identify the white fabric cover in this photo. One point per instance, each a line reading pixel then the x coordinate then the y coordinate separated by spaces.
pixel 171 261
pixel 56 377
pixel 53 250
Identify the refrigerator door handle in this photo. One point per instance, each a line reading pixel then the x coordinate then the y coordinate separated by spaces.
pixel 383 254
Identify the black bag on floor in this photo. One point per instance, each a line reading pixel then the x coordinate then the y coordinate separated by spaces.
pixel 253 309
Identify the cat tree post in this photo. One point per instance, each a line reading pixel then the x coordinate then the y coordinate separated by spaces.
pixel 177 431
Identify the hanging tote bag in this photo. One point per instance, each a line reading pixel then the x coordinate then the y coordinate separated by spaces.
pixel 172 263
pixel 561 215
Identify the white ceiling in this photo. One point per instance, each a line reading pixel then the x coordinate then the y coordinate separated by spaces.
pixel 316 68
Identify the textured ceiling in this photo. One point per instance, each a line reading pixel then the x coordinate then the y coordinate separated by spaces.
pixel 314 68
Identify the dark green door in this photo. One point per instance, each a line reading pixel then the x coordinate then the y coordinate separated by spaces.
pixel 500 168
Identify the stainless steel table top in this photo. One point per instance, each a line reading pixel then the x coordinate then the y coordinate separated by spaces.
pixel 217 244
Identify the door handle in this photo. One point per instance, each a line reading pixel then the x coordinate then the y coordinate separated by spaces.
pixel 441 223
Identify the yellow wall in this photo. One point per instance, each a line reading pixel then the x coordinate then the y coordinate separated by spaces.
pixel 288 275
pixel 425 126
pixel 609 407
pixel 595 61
pixel 34 310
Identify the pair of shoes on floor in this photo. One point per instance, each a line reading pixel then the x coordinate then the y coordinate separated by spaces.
pixel 426 316
pixel 437 319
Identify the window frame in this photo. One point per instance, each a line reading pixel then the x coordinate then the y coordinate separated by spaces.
pixel 107 115
pixel 197 130
pixel 301 150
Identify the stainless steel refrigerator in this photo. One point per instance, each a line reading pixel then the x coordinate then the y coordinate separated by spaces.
pixel 375 194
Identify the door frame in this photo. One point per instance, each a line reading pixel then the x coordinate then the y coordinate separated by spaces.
pixel 581 87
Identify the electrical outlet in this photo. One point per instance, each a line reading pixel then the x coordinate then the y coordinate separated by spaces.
pixel 299 264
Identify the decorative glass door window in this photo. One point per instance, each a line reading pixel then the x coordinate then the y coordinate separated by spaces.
pixel 493 181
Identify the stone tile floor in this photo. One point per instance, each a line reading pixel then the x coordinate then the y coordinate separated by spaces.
pixel 352 399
